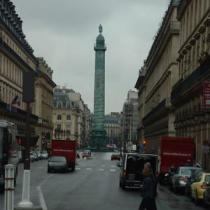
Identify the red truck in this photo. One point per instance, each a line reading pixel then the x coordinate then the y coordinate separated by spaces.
pixel 66 148
pixel 175 151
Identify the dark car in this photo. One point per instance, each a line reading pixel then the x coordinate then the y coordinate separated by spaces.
pixel 207 196
pixel 132 166
pixel 180 178
pixel 115 156
pixel 191 180
pixel 57 163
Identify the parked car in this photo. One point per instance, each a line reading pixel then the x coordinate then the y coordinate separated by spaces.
pixel 180 178
pixel 86 154
pixel 44 154
pixel 38 154
pixel 57 163
pixel 115 156
pixel 191 180
pixel 32 157
pixel 132 166
pixel 36 157
pixel 202 182
pixel 206 196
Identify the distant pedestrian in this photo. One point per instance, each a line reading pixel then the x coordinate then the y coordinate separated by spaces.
pixel 149 189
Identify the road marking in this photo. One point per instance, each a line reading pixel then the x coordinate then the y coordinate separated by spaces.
pixel 113 166
pixel 101 169
pixel 112 170
pixel 89 169
pixel 78 169
pixel 41 198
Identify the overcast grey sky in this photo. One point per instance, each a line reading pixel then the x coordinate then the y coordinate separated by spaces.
pixel 64 33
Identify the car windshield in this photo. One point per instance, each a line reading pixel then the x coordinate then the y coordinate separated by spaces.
pixel 188 171
pixel 57 159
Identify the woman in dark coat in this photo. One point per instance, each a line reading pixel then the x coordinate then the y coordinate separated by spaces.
pixel 149 189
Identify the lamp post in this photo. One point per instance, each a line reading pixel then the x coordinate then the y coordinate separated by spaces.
pixel 28 98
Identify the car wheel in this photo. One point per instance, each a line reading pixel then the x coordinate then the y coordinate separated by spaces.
pixel 73 168
pixel 197 201
pixel 49 170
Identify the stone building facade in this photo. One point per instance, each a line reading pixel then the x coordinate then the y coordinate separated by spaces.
pixel 113 128
pixel 130 119
pixel 192 111
pixel 16 57
pixel 44 86
pixel 71 117
pixel 156 79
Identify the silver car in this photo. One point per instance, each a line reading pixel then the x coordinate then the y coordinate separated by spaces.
pixel 57 163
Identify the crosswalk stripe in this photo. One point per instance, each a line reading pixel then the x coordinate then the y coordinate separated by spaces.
pixel 88 169
pixel 112 170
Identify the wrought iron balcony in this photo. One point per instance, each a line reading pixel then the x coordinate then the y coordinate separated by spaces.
pixel 193 80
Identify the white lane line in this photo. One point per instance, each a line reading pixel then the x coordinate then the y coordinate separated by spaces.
pixel 89 169
pixel 77 169
pixel 112 170
pixel 41 198
pixel 101 169
pixel 113 166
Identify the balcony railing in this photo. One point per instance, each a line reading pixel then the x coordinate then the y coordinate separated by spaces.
pixel 191 81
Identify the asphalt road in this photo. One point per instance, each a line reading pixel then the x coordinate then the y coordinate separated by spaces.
pixel 93 186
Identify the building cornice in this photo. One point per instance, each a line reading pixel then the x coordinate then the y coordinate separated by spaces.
pixel 47 79
pixel 10 19
pixel 182 7
pixel 198 30
pixel 167 27
pixel 14 56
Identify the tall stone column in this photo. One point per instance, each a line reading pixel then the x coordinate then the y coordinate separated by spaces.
pixel 98 129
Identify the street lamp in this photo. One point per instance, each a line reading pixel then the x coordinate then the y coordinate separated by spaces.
pixel 28 98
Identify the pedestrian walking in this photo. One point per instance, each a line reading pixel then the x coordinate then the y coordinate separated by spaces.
pixel 149 189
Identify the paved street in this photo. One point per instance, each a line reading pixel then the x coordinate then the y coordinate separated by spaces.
pixel 93 186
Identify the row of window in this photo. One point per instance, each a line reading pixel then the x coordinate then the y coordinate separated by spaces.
pixel 59 117
pixel 193 106
pixel 7 94
pixel 192 16
pixel 10 70
pixel 190 59
pixel 16 49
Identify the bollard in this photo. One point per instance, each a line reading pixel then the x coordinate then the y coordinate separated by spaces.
pixel 9 187
pixel 25 202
